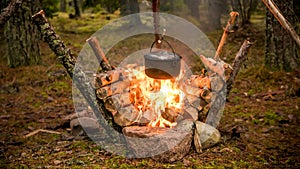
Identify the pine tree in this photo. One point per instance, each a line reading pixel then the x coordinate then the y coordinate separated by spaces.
pixel 22 35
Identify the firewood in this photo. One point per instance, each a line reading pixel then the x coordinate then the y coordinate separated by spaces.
pixel 206 95
pixel 196 102
pixel 217 83
pixel 104 79
pixel 191 90
pixel 146 117
pixel 200 81
pixel 126 116
pixel 197 142
pixel 170 114
pixel 116 88
pixel 203 113
pixel 193 112
pixel 115 102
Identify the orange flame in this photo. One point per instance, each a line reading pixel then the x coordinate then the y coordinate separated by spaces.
pixel 156 95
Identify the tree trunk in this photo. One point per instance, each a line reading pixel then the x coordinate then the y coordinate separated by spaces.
pixel 130 7
pixel 281 50
pixel 77 9
pixel 193 5
pixel 63 6
pixel 215 9
pixel 22 36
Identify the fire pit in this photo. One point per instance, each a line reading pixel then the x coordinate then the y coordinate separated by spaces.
pixel 164 111
pixel 128 105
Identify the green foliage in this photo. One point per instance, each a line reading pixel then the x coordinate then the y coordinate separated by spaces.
pixel 50 7
pixel 110 5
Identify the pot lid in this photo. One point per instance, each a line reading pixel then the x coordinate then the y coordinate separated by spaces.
pixel 162 55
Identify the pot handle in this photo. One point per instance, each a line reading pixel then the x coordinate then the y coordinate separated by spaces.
pixel 167 43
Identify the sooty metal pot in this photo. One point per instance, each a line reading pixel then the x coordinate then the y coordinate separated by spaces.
pixel 162 64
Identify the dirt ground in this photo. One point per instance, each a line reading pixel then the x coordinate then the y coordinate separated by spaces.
pixel 259 127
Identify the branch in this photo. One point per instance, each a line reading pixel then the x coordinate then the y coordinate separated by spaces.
pixel 229 25
pixel 238 61
pixel 7 12
pixel 68 60
pixel 284 23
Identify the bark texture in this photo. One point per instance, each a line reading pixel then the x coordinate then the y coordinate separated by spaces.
pixel 22 36
pixel 7 12
pixel 67 58
pixel 63 6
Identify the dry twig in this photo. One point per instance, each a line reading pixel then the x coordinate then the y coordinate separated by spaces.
pixel 41 130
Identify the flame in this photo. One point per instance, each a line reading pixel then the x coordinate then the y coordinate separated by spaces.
pixel 154 94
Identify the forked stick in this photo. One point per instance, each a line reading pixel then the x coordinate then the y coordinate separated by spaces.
pixel 229 25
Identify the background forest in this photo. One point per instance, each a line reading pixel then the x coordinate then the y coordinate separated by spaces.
pixel 260 124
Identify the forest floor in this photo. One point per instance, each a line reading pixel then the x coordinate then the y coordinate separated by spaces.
pixel 259 130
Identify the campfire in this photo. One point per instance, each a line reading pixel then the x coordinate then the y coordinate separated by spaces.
pixel 161 97
pixel 136 99
pixel 146 107
pixel 171 113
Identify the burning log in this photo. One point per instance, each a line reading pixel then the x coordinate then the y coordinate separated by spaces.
pixel 126 116
pixel 114 103
pixel 117 88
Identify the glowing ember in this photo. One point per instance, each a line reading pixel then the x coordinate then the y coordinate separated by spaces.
pixel 155 95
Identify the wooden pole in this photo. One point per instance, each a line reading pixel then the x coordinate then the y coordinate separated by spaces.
pixel 155 9
pixel 93 42
pixel 67 58
pixel 280 18
pixel 226 32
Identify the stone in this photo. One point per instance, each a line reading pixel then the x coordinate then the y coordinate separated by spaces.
pixel 84 124
pixel 158 143
pixel 205 136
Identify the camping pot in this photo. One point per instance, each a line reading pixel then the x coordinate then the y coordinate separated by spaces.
pixel 162 64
